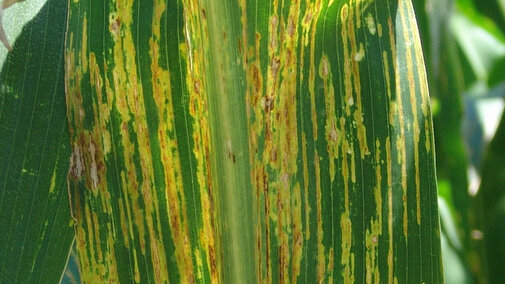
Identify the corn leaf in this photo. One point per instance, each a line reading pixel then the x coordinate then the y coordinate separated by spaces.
pixel 447 84
pixel 491 202
pixel 36 232
pixel 257 141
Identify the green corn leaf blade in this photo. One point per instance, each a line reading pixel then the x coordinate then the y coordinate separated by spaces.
pixel 452 163
pixel 480 47
pixel 251 141
pixel 491 201
pixel 447 85
pixel 140 178
pixel 455 266
pixel 493 10
pixel 36 232
pixel 449 79
pixel 484 14
pixel 360 171
pixel 496 74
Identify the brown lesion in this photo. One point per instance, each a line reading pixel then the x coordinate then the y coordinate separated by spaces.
pixel 269 104
pixel 239 45
pixel 231 156
pixel 114 24
pixel 76 163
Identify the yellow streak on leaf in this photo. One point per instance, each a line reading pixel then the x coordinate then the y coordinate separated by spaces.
pixel 331 130
pixel 309 25
pixel 351 20
pixel 175 195
pixel 198 109
pixel 400 141
pixel 347 258
pixel 53 183
pixel 124 224
pixel 84 45
pixel 87 164
pixel 413 102
pixel 375 231
pixel 378 187
pixel 136 272
pixel 320 232
pixel 306 187
pixel 390 209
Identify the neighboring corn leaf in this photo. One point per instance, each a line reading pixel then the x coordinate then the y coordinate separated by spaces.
pixel 496 74
pixel 447 85
pixel 36 231
pixel 491 198
pixel 479 45
pixel 489 14
pixel 251 141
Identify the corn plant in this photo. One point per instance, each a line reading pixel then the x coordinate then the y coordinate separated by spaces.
pixel 219 141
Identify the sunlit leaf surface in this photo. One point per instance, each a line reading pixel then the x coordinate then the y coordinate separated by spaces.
pixel 35 225
pixel 268 141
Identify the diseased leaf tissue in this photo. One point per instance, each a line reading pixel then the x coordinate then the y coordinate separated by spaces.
pixel 276 141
